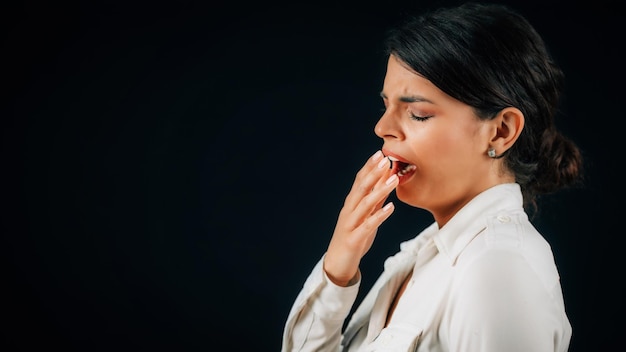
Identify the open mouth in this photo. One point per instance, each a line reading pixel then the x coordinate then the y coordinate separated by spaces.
pixel 401 168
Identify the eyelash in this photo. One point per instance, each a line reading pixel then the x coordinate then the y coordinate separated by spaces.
pixel 413 116
pixel 419 118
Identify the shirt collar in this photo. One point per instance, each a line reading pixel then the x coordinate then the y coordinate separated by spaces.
pixel 470 220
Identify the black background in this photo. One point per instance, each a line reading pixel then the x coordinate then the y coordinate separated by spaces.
pixel 171 171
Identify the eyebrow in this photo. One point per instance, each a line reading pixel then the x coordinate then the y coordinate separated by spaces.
pixel 409 99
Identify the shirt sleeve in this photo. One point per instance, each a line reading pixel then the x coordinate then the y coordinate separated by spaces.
pixel 318 313
pixel 503 305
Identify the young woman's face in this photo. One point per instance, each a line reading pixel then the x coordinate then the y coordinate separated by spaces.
pixel 439 141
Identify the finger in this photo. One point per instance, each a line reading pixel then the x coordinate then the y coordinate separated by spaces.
pixel 368 229
pixel 374 221
pixel 372 202
pixel 347 247
pixel 379 194
pixel 365 180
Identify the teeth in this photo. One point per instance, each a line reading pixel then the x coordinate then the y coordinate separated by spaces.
pixel 406 170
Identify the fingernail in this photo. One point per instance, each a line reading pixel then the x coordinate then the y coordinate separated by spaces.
pixel 382 163
pixel 377 156
pixel 391 179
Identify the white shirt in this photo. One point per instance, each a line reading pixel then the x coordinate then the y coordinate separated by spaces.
pixel 486 281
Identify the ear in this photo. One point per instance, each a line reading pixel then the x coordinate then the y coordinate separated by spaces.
pixel 508 126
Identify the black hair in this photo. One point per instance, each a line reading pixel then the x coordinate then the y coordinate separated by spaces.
pixel 490 57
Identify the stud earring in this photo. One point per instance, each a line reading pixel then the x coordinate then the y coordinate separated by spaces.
pixel 491 152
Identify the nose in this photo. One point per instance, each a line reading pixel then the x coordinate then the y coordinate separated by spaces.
pixel 388 126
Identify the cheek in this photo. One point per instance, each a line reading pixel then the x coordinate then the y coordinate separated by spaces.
pixel 444 147
pixel 437 141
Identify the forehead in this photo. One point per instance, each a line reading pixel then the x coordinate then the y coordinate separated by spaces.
pixel 402 81
pixel 404 85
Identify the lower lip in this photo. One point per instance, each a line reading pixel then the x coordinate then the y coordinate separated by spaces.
pixel 405 178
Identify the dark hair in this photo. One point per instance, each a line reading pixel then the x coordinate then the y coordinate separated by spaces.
pixel 490 57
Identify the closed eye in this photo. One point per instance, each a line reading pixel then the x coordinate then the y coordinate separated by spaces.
pixel 419 118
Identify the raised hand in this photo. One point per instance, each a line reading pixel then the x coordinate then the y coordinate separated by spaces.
pixel 362 213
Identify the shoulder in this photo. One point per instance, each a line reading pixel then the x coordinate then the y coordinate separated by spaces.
pixel 510 252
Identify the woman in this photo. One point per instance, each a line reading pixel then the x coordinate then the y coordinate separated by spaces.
pixel 468 134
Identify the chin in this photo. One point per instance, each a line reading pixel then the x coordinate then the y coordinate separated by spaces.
pixel 403 194
pixel 406 195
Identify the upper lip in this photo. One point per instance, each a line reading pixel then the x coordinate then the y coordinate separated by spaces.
pixel 396 156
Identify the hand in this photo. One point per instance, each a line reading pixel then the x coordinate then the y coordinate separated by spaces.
pixel 359 219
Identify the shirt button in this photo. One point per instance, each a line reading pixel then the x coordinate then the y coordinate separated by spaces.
pixel 503 218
